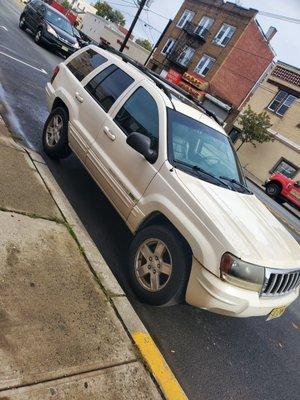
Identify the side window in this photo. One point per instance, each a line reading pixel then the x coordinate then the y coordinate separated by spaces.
pixel 108 85
pixel 85 63
pixel 140 114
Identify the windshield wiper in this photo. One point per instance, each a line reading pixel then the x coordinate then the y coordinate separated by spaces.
pixel 199 171
pixel 235 182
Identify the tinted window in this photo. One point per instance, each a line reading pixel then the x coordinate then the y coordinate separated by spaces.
pixel 140 114
pixel 85 63
pixel 108 85
pixel 58 20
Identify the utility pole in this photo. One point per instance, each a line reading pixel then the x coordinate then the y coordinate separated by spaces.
pixel 142 5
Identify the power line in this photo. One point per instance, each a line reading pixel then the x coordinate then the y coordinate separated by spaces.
pixel 281 17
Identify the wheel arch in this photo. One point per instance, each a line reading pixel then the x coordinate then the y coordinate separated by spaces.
pixel 276 181
pixel 158 218
pixel 58 102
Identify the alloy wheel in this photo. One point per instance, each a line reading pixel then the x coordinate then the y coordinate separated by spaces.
pixel 153 265
pixel 53 131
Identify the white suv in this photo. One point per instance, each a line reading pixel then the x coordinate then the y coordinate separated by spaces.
pixel 172 174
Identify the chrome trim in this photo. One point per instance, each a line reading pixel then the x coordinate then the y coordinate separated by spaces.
pixel 279 282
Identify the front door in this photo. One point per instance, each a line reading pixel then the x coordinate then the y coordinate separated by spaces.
pixel 124 173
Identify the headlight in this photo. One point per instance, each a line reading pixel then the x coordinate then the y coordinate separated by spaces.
pixel 76 45
pixel 241 273
pixel 51 31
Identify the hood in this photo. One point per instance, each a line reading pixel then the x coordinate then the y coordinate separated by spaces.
pixel 70 39
pixel 249 228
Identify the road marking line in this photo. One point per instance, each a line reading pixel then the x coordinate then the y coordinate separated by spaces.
pixel 4 27
pixel 158 366
pixel 25 63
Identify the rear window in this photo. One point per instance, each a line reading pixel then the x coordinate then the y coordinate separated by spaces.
pixel 85 63
pixel 108 85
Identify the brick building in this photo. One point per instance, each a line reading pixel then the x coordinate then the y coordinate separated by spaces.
pixel 279 95
pixel 217 51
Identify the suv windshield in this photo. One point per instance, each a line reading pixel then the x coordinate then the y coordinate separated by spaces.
pixel 197 147
pixel 57 20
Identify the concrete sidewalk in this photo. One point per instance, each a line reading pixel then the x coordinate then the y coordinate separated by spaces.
pixel 61 336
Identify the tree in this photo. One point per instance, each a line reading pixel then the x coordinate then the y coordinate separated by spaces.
pixel 66 4
pixel 254 127
pixel 144 43
pixel 107 12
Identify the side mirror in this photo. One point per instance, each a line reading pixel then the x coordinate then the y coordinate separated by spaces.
pixel 142 144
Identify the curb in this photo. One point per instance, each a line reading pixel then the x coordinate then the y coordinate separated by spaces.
pixel 150 354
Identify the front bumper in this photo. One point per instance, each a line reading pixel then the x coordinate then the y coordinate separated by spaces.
pixel 57 45
pixel 207 291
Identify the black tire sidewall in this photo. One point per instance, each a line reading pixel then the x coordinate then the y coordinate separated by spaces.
pixel 23 27
pixel 174 291
pixel 61 149
pixel 41 37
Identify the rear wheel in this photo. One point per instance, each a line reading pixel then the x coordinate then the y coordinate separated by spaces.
pixel 55 134
pixel 273 189
pixel 22 23
pixel 159 265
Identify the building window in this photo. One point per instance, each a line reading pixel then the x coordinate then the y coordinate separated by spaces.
pixel 168 46
pixel 186 56
pixel 224 35
pixel 205 65
pixel 234 134
pixel 285 167
pixel 204 25
pixel 187 16
pixel 281 102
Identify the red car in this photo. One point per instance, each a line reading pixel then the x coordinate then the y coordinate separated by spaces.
pixel 283 189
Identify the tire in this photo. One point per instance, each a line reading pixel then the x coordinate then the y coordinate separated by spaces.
pixel 22 23
pixel 154 286
pixel 55 134
pixel 273 189
pixel 38 37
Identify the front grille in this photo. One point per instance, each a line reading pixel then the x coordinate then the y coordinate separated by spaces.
pixel 280 283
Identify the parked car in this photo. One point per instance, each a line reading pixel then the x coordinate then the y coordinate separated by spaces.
pixel 174 177
pixel 49 26
pixel 283 189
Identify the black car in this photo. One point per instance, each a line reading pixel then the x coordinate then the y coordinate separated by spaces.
pixel 49 26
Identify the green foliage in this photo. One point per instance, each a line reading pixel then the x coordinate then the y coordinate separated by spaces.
pixel 107 12
pixel 254 127
pixel 144 43
pixel 66 4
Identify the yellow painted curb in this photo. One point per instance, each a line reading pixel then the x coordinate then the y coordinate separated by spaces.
pixel 158 366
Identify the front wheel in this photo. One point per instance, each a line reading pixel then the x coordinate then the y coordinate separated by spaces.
pixel 159 265
pixel 38 37
pixel 55 134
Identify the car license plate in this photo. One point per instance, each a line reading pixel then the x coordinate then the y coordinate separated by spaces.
pixel 276 313
pixel 64 48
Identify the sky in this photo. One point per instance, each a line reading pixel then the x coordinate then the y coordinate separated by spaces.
pixel 286 42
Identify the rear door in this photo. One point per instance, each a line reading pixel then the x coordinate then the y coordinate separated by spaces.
pixel 31 13
pixel 86 117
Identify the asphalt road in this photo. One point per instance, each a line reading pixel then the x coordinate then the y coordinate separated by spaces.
pixel 213 357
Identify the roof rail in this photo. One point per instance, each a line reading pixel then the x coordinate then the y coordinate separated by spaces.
pixel 162 83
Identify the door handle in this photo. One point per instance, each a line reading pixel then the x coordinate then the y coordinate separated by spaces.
pixel 78 97
pixel 108 133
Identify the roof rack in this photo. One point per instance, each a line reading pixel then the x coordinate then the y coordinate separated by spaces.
pixel 162 83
